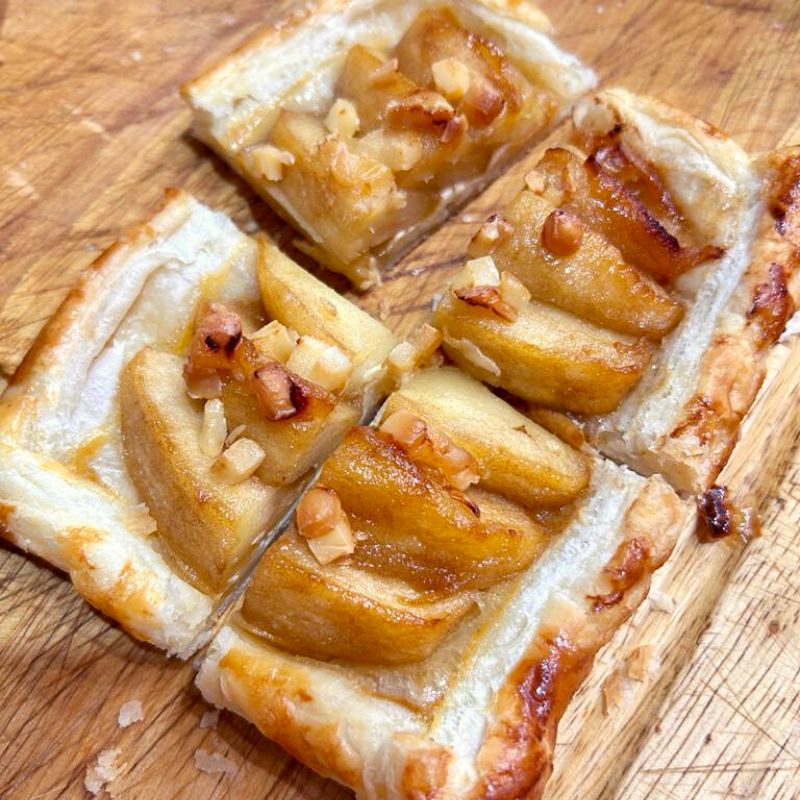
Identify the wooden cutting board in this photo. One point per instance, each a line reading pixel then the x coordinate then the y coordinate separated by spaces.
pixel 92 130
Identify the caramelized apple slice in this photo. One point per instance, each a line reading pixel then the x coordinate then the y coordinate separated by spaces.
pixel 492 82
pixel 299 439
pixel 592 282
pixel 339 611
pixel 515 456
pixel 347 200
pixel 546 355
pixel 207 525
pixel 371 83
pixel 407 522
pixel 605 203
pixel 305 304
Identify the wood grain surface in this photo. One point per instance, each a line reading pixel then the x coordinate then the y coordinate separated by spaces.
pixel 92 130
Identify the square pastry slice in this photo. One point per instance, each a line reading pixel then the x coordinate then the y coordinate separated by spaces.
pixel 172 411
pixel 637 281
pixel 421 627
pixel 364 122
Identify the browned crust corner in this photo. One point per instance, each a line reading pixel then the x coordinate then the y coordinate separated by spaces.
pixel 732 370
pixel 515 760
pixel 276 694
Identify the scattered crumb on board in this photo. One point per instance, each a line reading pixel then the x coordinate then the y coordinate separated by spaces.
pixel 213 763
pixel 103 771
pixel 129 713
pixel 210 719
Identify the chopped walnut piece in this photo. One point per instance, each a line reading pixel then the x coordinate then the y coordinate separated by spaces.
pixel 454 129
pixel 425 340
pixel 214 346
pixel 414 352
pixel 203 387
pixel 275 341
pixel 488 297
pixel 273 389
pixel 451 77
pixel 476 272
pixel 214 429
pixel 489 236
pixel 562 233
pixel 238 462
pixel 323 364
pixel 386 71
pixel 427 445
pixel 343 119
pixel 270 161
pixel 323 522
pixel 419 110
pixel 407 429
pixel 398 150
pixel 319 512
pixel 235 434
pixel 536 182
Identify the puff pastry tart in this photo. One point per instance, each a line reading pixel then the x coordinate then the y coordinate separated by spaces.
pixel 170 413
pixel 419 629
pixel 637 281
pixel 363 123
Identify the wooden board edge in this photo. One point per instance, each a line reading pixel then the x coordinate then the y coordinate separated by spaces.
pixel 613 712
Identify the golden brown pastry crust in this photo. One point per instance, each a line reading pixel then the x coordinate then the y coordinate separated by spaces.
pixel 237 99
pixel 54 506
pixel 742 205
pixel 516 759
pixel 326 719
pixel 733 368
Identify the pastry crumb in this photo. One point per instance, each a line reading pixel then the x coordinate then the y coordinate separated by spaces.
pixel 213 763
pixel 210 718
pixel 642 662
pixel 129 713
pixel 660 600
pixel 101 773
pixel 613 694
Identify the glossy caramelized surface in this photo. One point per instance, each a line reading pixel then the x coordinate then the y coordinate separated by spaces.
pixel 206 525
pixel 597 241
pixel 424 552
pixel 211 505
pixel 405 124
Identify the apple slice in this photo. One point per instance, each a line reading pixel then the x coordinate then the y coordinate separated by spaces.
pixel 207 526
pixel 515 456
pixel 302 302
pixel 371 83
pixel 296 444
pixel 345 198
pixel 546 355
pixel 340 611
pixel 608 204
pixel 407 522
pixel 492 83
pixel 593 282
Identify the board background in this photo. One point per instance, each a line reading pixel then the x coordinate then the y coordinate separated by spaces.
pixel 92 130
